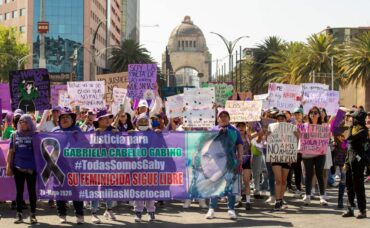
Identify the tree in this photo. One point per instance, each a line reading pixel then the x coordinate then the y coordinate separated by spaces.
pixel 129 52
pixel 11 51
pixel 354 59
pixel 284 65
pixel 259 76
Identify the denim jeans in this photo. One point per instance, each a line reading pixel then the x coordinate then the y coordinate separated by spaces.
pixel 230 202
pixel 271 179
pixel 256 172
pixel 95 205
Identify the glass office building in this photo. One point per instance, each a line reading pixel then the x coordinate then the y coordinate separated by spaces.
pixel 65 37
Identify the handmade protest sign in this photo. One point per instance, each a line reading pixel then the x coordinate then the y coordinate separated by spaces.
pixel 244 111
pixel 199 118
pixel 137 166
pixel 332 103
pixel 87 94
pixel 115 80
pixel 222 92
pixel 282 143
pixel 314 139
pixel 119 96
pixel 175 106
pixel 264 99
pixel 314 87
pixel 284 96
pixel 55 90
pixel 142 81
pixel 30 90
pixel 199 98
pixel 5 96
pixel 63 99
pixel 314 98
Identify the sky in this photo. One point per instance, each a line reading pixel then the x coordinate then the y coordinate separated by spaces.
pixel 291 20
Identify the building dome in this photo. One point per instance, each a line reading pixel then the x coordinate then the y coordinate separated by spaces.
pixel 187 37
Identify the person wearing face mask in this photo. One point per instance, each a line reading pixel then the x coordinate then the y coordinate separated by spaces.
pixel 102 124
pixel 21 163
pixel 223 120
pixel 143 125
pixel 355 164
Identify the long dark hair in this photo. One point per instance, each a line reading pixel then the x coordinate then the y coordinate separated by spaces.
pixel 130 126
pixel 319 121
pixel 323 110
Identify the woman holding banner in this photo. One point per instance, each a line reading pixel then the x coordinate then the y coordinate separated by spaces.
pixel 21 164
pixel 67 122
pixel 314 163
pixel 102 124
pixel 281 169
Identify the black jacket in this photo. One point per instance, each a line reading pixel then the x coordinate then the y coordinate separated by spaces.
pixel 356 143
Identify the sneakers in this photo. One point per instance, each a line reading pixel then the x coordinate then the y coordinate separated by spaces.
pixel 80 220
pixel 361 215
pixel 18 218
pixel 348 213
pixel 137 216
pixel 323 201
pixel 108 214
pixel 95 219
pixel 151 216
pixel 33 219
pixel 210 214
pixel 271 199
pixel 307 200
pixel 297 194
pixel 231 214
pixel 202 204
pixel 62 219
pixel 278 205
pixel 187 204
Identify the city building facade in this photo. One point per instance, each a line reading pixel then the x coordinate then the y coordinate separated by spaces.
pixel 130 20
pixel 79 33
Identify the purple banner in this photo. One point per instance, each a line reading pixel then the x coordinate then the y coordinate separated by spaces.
pixel 30 90
pixel 5 96
pixel 55 93
pixel 142 81
pixel 121 166
pixel 7 184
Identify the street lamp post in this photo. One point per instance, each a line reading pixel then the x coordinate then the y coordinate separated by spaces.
pixel 230 45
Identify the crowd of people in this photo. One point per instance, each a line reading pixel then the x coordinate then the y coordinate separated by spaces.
pixel 344 159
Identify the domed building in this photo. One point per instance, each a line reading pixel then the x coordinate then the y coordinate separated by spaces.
pixel 187 61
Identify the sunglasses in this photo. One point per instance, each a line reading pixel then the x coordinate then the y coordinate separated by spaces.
pixel 314 113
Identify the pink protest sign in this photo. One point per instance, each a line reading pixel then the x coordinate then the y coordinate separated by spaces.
pixel 5 96
pixel 314 139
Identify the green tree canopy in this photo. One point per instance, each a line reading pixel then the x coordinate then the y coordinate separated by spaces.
pixel 11 51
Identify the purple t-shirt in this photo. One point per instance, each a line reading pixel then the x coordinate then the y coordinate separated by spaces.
pixel 23 156
pixel 229 127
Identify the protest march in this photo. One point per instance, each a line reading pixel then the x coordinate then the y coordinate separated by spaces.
pixel 119 140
